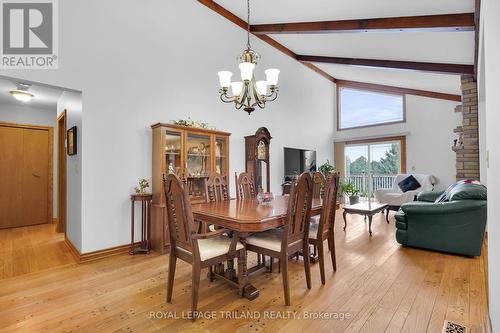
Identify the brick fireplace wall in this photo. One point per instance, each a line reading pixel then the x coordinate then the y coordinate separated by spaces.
pixel 467 142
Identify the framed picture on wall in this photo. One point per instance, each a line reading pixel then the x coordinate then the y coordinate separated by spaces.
pixel 71 143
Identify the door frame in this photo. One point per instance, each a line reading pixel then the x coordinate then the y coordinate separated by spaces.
pixel 61 173
pixel 400 138
pixel 50 190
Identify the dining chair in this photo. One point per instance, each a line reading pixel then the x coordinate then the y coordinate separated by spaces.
pixel 216 188
pixel 199 250
pixel 245 186
pixel 293 236
pixel 319 181
pixel 324 230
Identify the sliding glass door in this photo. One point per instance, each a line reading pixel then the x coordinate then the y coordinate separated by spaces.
pixel 373 164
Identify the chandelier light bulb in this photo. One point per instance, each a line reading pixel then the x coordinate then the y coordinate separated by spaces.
pixel 237 88
pixel 225 79
pixel 272 75
pixel 246 69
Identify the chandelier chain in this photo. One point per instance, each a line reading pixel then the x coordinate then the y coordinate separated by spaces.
pixel 248 24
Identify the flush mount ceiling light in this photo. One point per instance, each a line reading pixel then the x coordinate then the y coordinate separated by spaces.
pixel 21 93
pixel 249 93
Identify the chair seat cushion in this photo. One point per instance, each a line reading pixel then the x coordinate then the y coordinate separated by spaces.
pixel 214 247
pixel 270 239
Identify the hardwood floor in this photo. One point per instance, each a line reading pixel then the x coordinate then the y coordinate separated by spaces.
pixel 30 249
pixel 379 287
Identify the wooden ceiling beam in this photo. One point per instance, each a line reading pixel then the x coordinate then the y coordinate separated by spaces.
pixel 242 24
pixel 446 22
pixel 409 65
pixel 398 90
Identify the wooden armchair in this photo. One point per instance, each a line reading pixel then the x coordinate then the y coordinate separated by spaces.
pixel 245 186
pixel 323 230
pixel 292 237
pixel 199 250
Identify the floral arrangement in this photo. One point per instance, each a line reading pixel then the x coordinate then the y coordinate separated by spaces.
pixel 143 185
pixel 192 123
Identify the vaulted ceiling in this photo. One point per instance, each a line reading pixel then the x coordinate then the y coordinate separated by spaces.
pixel 400 43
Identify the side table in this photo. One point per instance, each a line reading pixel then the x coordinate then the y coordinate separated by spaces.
pixel 145 200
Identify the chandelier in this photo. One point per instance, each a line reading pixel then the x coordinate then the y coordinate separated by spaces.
pixel 249 93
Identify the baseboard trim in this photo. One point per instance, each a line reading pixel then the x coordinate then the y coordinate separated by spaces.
pixel 96 255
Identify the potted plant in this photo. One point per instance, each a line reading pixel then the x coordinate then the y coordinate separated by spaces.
pixel 326 169
pixel 351 191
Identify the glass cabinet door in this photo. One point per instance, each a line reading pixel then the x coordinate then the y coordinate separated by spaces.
pixel 173 144
pixel 221 155
pixel 198 164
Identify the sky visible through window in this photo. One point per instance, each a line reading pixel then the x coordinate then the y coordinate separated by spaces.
pixel 364 108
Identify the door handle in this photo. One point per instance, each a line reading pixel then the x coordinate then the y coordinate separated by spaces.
pixel 35 175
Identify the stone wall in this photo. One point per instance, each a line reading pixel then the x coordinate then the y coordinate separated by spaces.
pixel 467 144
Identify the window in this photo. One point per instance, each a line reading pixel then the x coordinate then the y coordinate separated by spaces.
pixel 362 108
pixel 373 163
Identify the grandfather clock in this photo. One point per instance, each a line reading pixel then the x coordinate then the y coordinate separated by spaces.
pixel 257 158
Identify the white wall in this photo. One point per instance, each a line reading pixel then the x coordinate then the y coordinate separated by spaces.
pixel 429 129
pixel 72 103
pixel 140 62
pixel 20 114
pixel 490 11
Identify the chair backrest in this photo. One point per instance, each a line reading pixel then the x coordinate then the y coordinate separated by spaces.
pixel 245 186
pixel 180 216
pixel 299 209
pixel 216 188
pixel 327 218
pixel 319 185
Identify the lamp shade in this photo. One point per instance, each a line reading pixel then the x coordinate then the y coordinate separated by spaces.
pixel 237 87
pixel 261 87
pixel 246 69
pixel 225 78
pixel 272 76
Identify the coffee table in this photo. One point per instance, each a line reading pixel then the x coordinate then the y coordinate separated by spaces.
pixel 366 209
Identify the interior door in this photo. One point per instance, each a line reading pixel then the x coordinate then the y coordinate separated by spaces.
pixel 11 176
pixel 35 176
pixel 24 167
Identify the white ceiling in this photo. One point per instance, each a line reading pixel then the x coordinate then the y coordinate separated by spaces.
pixel 45 97
pixel 278 11
pixel 440 47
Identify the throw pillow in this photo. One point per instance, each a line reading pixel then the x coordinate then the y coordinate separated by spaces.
pixel 446 194
pixel 410 183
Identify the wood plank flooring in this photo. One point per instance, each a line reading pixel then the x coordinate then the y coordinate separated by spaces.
pixel 379 287
pixel 30 249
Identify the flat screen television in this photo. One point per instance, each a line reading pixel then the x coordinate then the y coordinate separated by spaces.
pixel 298 161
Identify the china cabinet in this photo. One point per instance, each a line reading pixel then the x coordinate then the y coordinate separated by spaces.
pixel 190 153
pixel 257 158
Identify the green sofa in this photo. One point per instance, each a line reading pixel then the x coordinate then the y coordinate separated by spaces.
pixel 455 225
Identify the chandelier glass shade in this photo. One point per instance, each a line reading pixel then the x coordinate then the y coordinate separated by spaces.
pixel 248 93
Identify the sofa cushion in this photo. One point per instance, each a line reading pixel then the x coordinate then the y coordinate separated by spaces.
pixel 468 192
pixel 410 183
pixel 446 194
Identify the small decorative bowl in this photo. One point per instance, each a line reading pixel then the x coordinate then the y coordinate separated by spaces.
pixel 265 198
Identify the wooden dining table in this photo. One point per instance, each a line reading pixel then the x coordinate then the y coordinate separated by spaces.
pixel 244 217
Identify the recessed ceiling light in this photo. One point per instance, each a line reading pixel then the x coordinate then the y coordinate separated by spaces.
pixel 21 93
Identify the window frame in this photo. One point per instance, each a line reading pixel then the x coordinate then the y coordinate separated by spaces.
pixel 389 92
